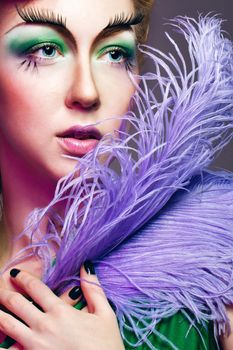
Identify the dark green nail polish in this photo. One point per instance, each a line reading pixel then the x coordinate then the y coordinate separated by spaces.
pixel 75 293
pixel 14 272
pixel 89 267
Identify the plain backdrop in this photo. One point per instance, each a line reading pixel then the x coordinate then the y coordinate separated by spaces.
pixel 167 9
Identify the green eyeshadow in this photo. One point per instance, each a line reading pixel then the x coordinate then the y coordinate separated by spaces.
pixel 128 46
pixel 24 41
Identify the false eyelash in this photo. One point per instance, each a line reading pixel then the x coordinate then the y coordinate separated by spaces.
pixel 29 63
pixel 129 61
pixel 130 65
pixel 122 19
pixel 33 15
pixel 32 62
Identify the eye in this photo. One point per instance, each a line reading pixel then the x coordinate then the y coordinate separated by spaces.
pixel 119 57
pixel 41 54
pixel 116 55
pixel 45 51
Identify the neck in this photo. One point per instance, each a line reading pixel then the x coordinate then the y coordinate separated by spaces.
pixel 22 190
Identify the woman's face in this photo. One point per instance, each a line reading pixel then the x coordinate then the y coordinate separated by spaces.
pixel 54 77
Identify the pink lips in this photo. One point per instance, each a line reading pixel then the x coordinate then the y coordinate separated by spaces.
pixel 79 140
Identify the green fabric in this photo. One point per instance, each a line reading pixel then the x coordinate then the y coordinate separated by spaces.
pixel 176 329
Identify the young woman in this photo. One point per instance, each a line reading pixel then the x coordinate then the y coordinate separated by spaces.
pixel 63 67
pixel 56 78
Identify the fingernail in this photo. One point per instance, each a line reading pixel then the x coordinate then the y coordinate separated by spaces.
pixel 89 267
pixel 14 272
pixel 75 293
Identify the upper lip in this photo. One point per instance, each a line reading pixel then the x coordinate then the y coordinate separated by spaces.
pixel 82 132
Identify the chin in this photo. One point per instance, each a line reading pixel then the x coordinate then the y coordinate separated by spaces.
pixel 67 166
pixel 64 170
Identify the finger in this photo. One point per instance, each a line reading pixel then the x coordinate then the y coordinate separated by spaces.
pixel 96 299
pixel 20 306
pixel 15 329
pixel 2 337
pixel 16 346
pixel 72 296
pixel 85 309
pixel 35 288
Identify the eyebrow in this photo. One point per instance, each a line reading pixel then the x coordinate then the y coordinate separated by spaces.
pixel 120 22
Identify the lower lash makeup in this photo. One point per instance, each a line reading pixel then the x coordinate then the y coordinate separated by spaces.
pixel 43 46
pixel 123 49
pixel 32 60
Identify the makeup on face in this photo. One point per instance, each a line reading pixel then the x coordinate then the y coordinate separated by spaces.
pixel 81 80
pixel 47 40
pixel 122 49
pixel 41 45
pixel 37 45
pixel 22 39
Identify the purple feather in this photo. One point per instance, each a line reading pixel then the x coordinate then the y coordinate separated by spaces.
pixel 160 240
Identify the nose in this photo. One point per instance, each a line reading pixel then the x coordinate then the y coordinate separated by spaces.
pixel 83 94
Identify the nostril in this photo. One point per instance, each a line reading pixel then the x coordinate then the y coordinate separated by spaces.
pixel 95 105
pixel 81 101
pixel 86 106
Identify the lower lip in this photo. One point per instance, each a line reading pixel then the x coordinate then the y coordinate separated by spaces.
pixel 77 147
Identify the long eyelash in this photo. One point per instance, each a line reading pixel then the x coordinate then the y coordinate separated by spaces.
pixel 129 61
pixel 33 15
pixel 28 64
pixel 29 59
pixel 122 19
pixel 130 65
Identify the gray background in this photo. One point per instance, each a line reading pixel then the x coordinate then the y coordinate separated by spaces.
pixel 165 9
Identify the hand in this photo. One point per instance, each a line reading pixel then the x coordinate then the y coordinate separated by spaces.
pixel 227 339
pixel 60 326
pixel 71 297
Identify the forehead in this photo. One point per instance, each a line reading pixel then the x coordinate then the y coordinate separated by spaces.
pixel 85 18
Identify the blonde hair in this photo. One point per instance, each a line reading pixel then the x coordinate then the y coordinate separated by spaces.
pixel 145 8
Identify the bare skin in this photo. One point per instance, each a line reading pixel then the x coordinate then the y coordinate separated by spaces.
pixel 227 340
pixel 94 327
pixel 35 107
pixel 75 85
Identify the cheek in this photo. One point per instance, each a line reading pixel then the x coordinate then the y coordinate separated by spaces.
pixel 26 97
pixel 13 101
pixel 20 115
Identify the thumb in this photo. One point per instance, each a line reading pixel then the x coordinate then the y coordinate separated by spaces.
pixel 72 296
pixel 94 295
